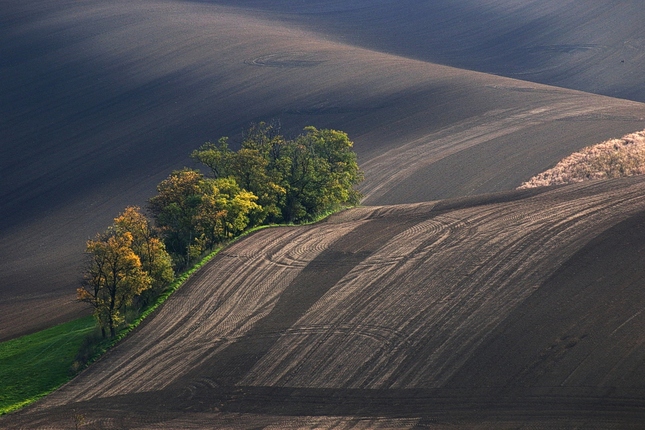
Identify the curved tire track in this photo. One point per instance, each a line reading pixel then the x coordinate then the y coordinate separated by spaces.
pixel 385 312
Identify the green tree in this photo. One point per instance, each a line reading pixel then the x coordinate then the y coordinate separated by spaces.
pixel 175 209
pixel 195 213
pixel 216 156
pixel 240 206
pixel 252 168
pixel 318 170
pixel 294 179
pixel 336 169
pixel 224 212
pixel 113 279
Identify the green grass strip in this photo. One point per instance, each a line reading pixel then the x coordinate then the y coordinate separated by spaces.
pixel 34 365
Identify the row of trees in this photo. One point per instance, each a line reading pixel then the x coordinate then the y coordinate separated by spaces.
pixel 270 179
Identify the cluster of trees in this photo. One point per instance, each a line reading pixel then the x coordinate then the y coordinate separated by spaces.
pixel 294 180
pixel 194 213
pixel 270 179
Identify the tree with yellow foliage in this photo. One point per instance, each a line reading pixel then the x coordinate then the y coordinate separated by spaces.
pixel 148 247
pixel 196 213
pixel 125 261
pixel 113 279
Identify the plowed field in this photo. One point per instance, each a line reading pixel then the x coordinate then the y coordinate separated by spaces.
pixel 447 301
pixel 510 310
pixel 102 99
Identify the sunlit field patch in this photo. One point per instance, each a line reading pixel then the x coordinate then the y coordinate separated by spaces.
pixel 614 158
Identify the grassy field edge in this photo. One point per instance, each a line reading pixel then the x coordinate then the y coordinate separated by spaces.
pixel 35 365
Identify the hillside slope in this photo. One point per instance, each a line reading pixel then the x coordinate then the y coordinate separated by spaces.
pixel 516 310
pixel 101 100
pixel 596 46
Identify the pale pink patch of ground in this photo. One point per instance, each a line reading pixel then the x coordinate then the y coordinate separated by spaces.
pixel 614 158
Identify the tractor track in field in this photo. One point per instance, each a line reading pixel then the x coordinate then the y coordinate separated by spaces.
pixel 101 101
pixel 379 314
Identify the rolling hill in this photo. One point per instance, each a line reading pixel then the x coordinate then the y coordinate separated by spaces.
pixel 101 100
pixel 595 46
pixel 520 309
pixel 449 299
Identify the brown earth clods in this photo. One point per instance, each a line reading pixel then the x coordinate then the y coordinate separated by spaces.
pixel 101 100
pixel 463 304
pixel 518 309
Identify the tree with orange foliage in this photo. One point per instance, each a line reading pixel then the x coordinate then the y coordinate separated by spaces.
pixel 113 279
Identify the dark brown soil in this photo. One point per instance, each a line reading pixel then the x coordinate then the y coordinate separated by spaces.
pixel 100 101
pixel 517 310
pixel 491 308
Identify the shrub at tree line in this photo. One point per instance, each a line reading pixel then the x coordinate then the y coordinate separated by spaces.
pixel 268 180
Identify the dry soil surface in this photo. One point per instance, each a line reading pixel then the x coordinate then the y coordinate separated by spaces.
pixel 101 100
pixel 520 309
pixel 453 308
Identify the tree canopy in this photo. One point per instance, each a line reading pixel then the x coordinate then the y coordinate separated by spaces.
pixel 194 213
pixel 146 244
pixel 269 179
pixel 125 261
pixel 114 278
pixel 296 179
